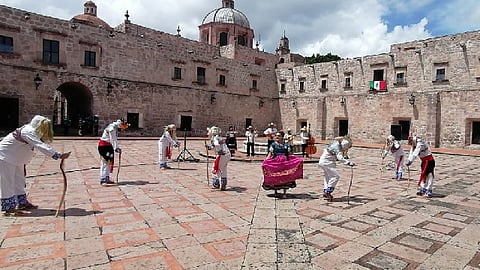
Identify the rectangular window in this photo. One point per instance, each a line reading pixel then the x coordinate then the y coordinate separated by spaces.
pixel 90 58
pixel 440 74
pixel 324 84
pixel 6 44
pixel 282 88
pixel 378 75
pixel 177 73
pixel 133 119
pixel 475 132
pixel 254 84
pixel 400 78
pixel 348 82
pixel 302 87
pixel 51 51
pixel 221 80
pixel 201 75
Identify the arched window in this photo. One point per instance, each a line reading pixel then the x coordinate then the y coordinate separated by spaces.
pixel 223 39
pixel 242 40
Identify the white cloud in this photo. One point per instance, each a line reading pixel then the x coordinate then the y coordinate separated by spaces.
pixel 345 27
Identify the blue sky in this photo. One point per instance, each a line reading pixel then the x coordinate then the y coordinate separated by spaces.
pixel 348 28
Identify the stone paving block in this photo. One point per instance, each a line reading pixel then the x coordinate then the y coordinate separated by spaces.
pixel 262 236
pixel 379 260
pixel 448 257
pixel 293 253
pixel 128 238
pixel 227 249
pixel 49 264
pixel 260 253
pixel 136 250
pixel 86 260
pixel 404 252
pixel 193 256
pixel 154 261
pixel 27 254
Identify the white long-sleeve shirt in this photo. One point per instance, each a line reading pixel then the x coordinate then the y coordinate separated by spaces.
pixel 21 150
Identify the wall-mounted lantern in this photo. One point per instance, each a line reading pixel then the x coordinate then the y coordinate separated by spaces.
pixel 109 88
pixel 37 80
pixel 212 98
pixel 411 99
pixel 294 104
pixel 343 101
pixel 261 102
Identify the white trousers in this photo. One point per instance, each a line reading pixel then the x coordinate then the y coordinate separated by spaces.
pixel 12 180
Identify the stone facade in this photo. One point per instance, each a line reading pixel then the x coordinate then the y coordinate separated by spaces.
pixel 443 74
pixel 137 65
pixel 135 76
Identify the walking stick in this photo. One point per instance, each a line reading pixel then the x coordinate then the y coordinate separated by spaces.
pixel 408 185
pixel 206 148
pixel 350 186
pixel 62 200
pixel 119 163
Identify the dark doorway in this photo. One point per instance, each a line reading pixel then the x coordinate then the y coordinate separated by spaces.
pixel 248 122
pixel 405 124
pixel 8 115
pixel 396 131
pixel 342 127
pixel 475 132
pixel 72 113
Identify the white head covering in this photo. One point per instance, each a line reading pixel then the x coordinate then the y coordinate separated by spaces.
pixel 346 142
pixel 213 130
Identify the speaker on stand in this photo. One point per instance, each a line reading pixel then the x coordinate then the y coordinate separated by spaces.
pixel 185 126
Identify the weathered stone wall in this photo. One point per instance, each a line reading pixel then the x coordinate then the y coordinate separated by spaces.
pixel 139 63
pixel 443 111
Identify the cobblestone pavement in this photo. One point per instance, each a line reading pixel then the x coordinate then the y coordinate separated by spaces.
pixel 172 219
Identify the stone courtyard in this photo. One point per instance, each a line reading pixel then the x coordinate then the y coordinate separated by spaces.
pixel 172 219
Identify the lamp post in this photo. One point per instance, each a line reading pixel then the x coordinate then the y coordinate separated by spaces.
pixel 260 103
pixel 411 99
pixel 37 80
pixel 109 88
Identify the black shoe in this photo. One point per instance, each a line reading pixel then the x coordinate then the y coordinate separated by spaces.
pixel 328 196
pixel 27 206
pixel 108 183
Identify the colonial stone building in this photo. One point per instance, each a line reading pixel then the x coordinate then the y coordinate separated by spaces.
pixel 77 70
pixel 429 87
pixel 80 70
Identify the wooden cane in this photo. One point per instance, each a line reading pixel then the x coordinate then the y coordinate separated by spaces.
pixel 408 184
pixel 119 163
pixel 208 178
pixel 62 200
pixel 350 186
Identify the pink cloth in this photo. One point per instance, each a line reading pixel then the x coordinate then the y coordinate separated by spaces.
pixel 280 171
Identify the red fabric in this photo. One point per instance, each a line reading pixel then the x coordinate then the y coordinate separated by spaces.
pixel 215 165
pixel 169 152
pixel 279 171
pixel 423 174
pixel 399 163
pixel 103 143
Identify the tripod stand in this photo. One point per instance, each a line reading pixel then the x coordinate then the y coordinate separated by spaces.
pixel 183 154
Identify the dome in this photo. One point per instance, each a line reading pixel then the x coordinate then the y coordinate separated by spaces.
pixel 89 17
pixel 226 15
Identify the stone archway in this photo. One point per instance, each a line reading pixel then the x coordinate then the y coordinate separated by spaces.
pixel 72 113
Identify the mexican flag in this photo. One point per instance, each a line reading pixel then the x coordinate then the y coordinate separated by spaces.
pixel 378 85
